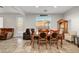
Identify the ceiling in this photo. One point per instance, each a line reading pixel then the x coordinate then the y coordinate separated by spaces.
pixel 35 10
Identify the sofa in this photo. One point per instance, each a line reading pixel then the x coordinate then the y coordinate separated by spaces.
pixel 6 33
pixel 69 36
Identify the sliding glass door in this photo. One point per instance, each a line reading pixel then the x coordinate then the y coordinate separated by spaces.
pixel 20 26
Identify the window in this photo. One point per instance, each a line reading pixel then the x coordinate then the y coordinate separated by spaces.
pixel 20 22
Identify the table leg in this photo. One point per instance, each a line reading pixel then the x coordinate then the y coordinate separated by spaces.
pixel 61 41
pixel 39 43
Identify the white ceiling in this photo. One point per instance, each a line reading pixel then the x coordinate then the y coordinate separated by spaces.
pixel 35 10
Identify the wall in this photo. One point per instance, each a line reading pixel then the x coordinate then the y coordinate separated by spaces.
pixel 30 20
pixel 10 20
pixel 1 22
pixel 73 17
pixel 54 20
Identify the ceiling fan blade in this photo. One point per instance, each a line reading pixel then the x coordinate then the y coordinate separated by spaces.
pixel 1 7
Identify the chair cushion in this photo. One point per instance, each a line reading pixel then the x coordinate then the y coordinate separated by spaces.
pixel 42 35
pixel 54 35
pixel 0 31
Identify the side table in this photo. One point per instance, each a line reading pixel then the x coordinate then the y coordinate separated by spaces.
pixel 78 41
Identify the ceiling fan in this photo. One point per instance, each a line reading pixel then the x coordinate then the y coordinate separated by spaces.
pixel 1 7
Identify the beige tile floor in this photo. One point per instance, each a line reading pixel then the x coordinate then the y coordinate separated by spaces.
pixel 18 45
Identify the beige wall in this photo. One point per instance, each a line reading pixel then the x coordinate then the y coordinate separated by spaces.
pixel 73 17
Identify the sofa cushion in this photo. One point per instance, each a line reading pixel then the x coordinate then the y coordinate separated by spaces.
pixel 73 33
pixel 0 31
pixel 9 35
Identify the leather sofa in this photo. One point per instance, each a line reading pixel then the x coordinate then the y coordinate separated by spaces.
pixel 6 33
pixel 27 35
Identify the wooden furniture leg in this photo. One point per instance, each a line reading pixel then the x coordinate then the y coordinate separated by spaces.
pixel 46 43
pixel 57 44
pixel 32 42
pixel 50 43
pixel 61 41
pixel 39 44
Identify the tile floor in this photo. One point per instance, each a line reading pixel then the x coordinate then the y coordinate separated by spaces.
pixel 18 45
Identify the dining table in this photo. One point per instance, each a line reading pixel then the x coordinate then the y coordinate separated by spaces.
pixel 60 37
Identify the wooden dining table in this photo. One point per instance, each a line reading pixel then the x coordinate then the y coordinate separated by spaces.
pixel 60 37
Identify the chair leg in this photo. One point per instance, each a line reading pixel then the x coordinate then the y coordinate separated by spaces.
pixel 46 44
pixel 50 43
pixel 39 44
pixel 32 42
pixel 61 42
pixel 57 44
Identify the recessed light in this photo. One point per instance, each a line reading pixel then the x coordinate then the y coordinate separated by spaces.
pixel 45 10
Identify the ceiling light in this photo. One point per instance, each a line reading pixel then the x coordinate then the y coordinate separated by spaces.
pixel 55 6
pixel 1 7
pixel 45 10
pixel 36 6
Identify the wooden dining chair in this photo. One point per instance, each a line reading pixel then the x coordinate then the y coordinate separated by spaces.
pixel 54 39
pixel 61 36
pixel 32 37
pixel 43 37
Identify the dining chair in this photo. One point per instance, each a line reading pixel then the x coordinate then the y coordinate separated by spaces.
pixel 43 37
pixel 54 39
pixel 32 37
pixel 61 36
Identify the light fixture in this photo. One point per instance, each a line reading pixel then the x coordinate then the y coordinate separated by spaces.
pixel 55 6
pixel 36 6
pixel 1 7
pixel 45 10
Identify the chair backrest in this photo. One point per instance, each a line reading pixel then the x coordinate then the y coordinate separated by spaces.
pixel 72 32
pixel 43 35
pixel 32 31
pixel 54 35
pixel 28 31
